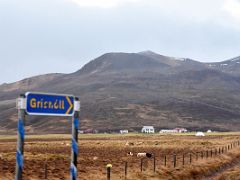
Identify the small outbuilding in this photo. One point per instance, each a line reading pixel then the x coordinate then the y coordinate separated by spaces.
pixel 80 131
pixel 167 131
pixel 200 134
pixel 181 130
pixel 124 131
pixel 148 129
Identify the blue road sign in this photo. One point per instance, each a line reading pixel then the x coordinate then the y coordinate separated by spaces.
pixel 49 104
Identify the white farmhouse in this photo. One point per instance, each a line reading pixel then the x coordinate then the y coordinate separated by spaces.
pixel 148 129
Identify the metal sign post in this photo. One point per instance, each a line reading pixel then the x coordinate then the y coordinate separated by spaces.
pixel 21 104
pixel 47 105
pixel 74 152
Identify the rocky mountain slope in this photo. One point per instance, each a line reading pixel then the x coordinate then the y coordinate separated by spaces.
pixel 231 66
pixel 129 90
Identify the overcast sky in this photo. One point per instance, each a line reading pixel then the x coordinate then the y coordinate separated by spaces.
pixel 46 36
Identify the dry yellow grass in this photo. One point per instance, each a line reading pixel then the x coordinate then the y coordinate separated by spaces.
pixel 95 151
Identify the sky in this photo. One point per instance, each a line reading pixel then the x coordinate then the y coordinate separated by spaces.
pixel 49 36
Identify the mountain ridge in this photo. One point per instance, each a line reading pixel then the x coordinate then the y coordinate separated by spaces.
pixel 144 88
pixel 145 53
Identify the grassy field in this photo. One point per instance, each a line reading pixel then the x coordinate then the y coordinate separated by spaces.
pixel 65 136
pixel 196 157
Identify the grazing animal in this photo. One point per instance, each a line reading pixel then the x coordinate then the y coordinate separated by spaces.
pixel 139 143
pixel 148 155
pixel 95 158
pixel 129 154
pixel 129 144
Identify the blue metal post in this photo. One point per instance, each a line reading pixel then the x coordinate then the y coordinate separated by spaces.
pixel 75 123
pixel 20 141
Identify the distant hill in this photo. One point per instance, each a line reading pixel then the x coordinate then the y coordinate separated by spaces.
pixel 129 90
pixel 231 66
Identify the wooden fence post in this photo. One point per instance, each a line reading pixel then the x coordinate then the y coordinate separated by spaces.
pixel 211 153
pixel 45 171
pixel 174 160
pixel 126 169
pixel 165 160
pixel 154 164
pixel 109 166
pixel 183 159
pixel 207 154
pixel 190 158
pixel 142 165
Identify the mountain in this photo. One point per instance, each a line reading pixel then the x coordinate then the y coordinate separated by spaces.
pixel 231 66
pixel 129 90
pixel 123 62
pixel 179 64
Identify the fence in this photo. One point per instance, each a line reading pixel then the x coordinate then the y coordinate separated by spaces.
pixel 175 160
pixel 180 160
pixel 153 164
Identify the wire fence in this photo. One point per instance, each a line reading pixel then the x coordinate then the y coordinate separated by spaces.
pixel 122 169
pixel 156 162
